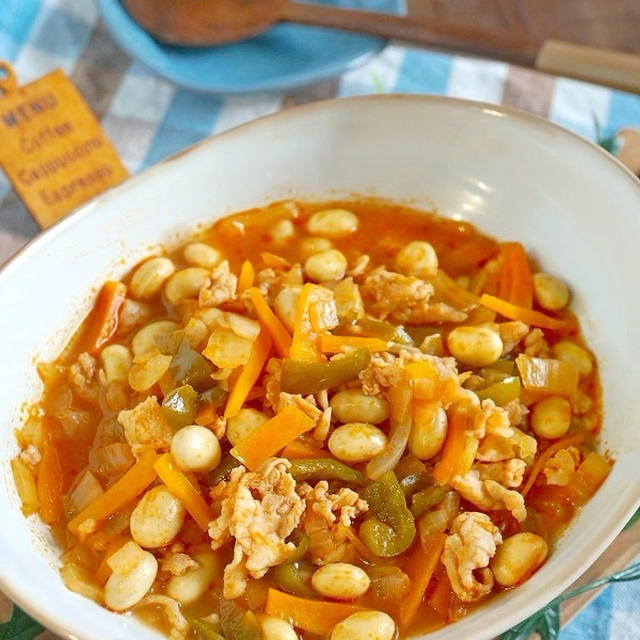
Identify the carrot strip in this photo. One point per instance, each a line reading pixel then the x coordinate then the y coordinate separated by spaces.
pixel 132 483
pixel 516 283
pixel 459 449
pixel 104 320
pixel 178 483
pixel 272 436
pixel 468 256
pixel 504 275
pixel 305 343
pixel 104 570
pixel 514 312
pixel 297 450
pixel 206 415
pixel 420 567
pixel 546 455
pixel 334 344
pixel 50 483
pixel 247 276
pixel 315 616
pixel 279 334
pixel 274 261
pixel 440 599
pixel 249 374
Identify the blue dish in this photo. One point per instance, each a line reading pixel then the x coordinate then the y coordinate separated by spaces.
pixel 285 57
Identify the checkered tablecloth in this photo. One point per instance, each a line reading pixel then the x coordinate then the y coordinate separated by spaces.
pixel 147 119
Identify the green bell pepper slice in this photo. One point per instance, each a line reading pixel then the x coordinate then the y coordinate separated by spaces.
pixel 238 624
pixel 501 392
pixel 326 469
pixel 312 377
pixel 180 406
pixel 293 577
pixel 190 367
pixel 391 529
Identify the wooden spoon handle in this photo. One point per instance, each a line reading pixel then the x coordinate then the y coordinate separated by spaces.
pixel 591 64
pixel 500 45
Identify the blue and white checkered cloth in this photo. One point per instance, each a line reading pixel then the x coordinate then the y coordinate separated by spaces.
pixel 147 119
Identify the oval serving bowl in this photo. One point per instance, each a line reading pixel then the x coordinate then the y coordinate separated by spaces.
pixel 513 175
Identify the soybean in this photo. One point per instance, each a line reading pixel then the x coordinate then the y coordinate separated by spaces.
pixel 475 346
pixel 429 430
pixel 365 625
pixel 551 417
pixel 550 293
pixel 325 266
pixel 357 442
pixel 418 259
pixel 148 278
pixel 340 580
pixel 353 405
pixel 157 518
pixel 518 557
pixel 333 223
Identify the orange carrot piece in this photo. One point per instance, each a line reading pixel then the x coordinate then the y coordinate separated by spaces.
pixel 249 374
pixel 315 616
pixel 420 567
pixel 132 484
pixel 206 415
pixel 440 599
pixel 334 344
pixel 181 487
pixel 459 449
pixel 516 283
pixel 274 261
pixel 305 343
pixel 468 256
pixel 504 275
pixel 528 316
pixel 49 483
pixel 104 570
pixel 272 436
pixel 247 276
pixel 104 321
pixel 546 455
pixel 297 450
pixel 279 334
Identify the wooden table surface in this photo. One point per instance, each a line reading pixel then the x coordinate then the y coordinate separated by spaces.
pixel 614 24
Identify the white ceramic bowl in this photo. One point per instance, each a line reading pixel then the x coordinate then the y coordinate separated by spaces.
pixel 514 176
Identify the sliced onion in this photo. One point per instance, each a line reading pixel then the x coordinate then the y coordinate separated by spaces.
pixel 400 400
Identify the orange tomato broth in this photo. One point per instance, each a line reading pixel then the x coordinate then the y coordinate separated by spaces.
pixel 74 436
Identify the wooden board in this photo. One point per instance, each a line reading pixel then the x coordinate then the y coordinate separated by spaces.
pixel 612 24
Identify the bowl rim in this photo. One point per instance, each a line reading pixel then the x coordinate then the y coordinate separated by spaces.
pixel 52 619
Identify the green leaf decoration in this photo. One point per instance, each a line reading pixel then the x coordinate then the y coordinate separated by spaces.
pixel 634 518
pixel 378 85
pixel 547 621
pixel 611 144
pixel 20 627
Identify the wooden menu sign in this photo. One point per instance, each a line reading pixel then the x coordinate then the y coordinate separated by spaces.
pixel 51 145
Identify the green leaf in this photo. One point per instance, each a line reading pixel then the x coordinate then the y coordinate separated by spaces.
pixel 610 144
pixel 378 85
pixel 634 518
pixel 546 622
pixel 20 627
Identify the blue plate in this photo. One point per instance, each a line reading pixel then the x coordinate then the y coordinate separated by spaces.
pixel 285 57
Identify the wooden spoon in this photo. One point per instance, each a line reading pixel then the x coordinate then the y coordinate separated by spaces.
pixel 204 23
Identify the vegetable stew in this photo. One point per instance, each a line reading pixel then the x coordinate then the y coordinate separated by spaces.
pixel 340 421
